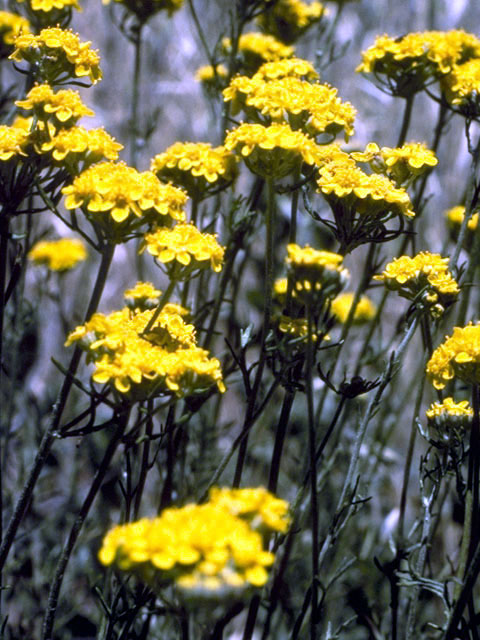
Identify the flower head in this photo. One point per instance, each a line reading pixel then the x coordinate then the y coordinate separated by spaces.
pixel 116 193
pixel 257 48
pixel 74 145
pixel 341 305
pixel 13 142
pixel 424 278
pixel 63 108
pixel 288 20
pixel 59 255
pixel 197 167
pixel 11 26
pixel 272 151
pixel 457 357
pixel 185 249
pixel 211 548
pixel 142 296
pixel 56 54
pixel 455 217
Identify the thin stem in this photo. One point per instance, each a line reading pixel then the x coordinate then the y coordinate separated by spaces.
pixel 251 618
pixel 77 526
pixel 269 231
pixel 313 472
pixel 280 434
pixel 137 65
pixel 51 433
pixel 163 300
pixel 407 114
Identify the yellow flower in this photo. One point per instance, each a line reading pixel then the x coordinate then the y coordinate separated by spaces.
pixel 257 48
pixel 63 107
pixel 341 305
pixel 142 296
pixel 316 275
pixel 51 5
pixel 57 54
pixel 462 86
pixel 449 408
pixel 458 357
pixel 272 151
pixel 207 73
pixel 401 163
pixel 287 67
pixel 206 548
pixel 13 141
pixel 116 192
pixel 11 26
pixel 59 255
pixel 186 248
pixel 196 166
pixel 455 217
pixel 424 278
pixel 313 107
pixel 88 146
pixel 163 361
pixel 288 20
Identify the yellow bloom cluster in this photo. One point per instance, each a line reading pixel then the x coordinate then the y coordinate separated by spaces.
pixel 289 19
pixel 272 151
pixel 209 547
pixel 287 67
pixel 164 360
pixel 124 194
pixel 449 408
pixel 462 85
pixel 13 141
pixel 62 107
pixel 257 48
pixel 400 163
pixel 341 305
pixel 311 106
pixel 455 217
pixel 207 73
pixel 315 273
pixel 424 278
pixel 195 166
pixel 143 296
pixel 185 248
pixel 50 5
pixel 56 53
pixel 11 26
pixel 59 255
pixel 371 194
pixel 89 145
pixel 457 357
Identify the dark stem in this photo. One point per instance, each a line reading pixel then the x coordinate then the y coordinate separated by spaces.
pixel 280 434
pixel 134 129
pixel 77 526
pixel 407 114
pixel 251 618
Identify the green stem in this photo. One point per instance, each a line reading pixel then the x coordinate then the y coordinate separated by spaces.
pixel 51 433
pixel 77 526
pixel 137 65
pixel 163 300
pixel 407 114
pixel 313 472
pixel 267 311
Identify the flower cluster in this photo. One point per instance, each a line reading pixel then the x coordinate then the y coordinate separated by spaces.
pixel 316 275
pixel 462 87
pixel 49 5
pixel 184 249
pixel 13 142
pixel 457 357
pixel 423 279
pixel 11 26
pixel 341 305
pixel 62 108
pixel 274 151
pixel 210 547
pixel 410 62
pixel 59 255
pixel 197 167
pixel 116 193
pixel 455 217
pixel 69 146
pixel 447 422
pixel 288 20
pixel 401 163
pixel 284 97
pixel 257 48
pixel 143 296
pixel 57 54
pixel 144 361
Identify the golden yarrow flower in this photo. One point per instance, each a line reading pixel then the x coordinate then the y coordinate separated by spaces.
pixel 142 296
pixel 400 163
pixel 341 305
pixel 424 278
pixel 87 145
pixel 11 26
pixel 63 108
pixel 457 357
pixel 196 166
pixel 260 508
pixel 185 249
pixel 13 141
pixel 116 192
pixel 59 255
pixel 274 151
pixel 288 20
pixel 455 217
pixel 449 408
pixel 257 48
pixel 50 5
pixel 287 67
pixel 56 54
